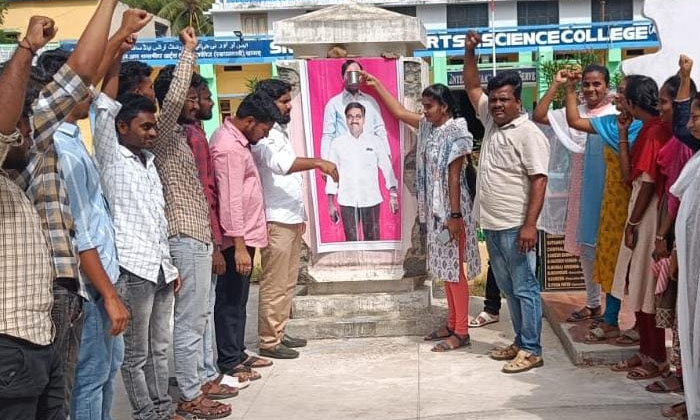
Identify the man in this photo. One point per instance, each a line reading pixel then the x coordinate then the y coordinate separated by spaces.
pixel 334 122
pixel 242 217
pixel 27 330
pixel 510 192
pixel 197 140
pixel 359 156
pixel 586 174
pixel 147 277
pixel 135 77
pixel 189 229
pixel 283 191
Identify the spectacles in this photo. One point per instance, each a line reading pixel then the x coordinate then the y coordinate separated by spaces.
pixel 195 100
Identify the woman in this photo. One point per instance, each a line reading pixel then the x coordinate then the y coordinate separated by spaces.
pixel 444 203
pixel 634 276
pixel 613 211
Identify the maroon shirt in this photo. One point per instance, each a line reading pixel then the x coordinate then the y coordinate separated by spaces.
pixel 197 140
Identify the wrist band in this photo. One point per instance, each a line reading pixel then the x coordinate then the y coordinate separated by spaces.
pixel 633 224
pixel 27 47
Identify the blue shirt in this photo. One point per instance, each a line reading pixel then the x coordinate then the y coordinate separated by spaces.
pixel 93 222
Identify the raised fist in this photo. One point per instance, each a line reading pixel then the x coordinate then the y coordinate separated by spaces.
pixel 40 31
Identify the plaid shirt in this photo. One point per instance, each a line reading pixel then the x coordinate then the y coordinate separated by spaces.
pixel 186 206
pixel 197 140
pixel 42 181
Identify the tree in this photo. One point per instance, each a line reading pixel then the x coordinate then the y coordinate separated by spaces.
pixel 180 13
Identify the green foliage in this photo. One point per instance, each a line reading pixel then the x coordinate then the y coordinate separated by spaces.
pixel 3 10
pixel 180 13
pixel 251 84
pixel 548 70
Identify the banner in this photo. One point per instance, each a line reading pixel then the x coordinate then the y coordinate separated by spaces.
pixel 350 126
pixel 456 78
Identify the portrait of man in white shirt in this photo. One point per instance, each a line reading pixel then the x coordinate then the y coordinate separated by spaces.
pixel 334 123
pixel 359 156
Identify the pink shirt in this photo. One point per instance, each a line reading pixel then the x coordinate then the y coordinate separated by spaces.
pixel 241 206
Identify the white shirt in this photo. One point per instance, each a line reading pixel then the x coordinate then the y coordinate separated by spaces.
pixel 283 192
pixel 358 161
pixel 510 154
pixel 135 196
pixel 335 123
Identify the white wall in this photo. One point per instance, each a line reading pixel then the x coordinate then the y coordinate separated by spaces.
pixel 275 15
pixel 638 9
pixel 226 23
pixel 574 11
pixel 432 16
pixel 506 14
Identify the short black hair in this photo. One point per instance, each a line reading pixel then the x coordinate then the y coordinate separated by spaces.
pixel 643 92
pixel 506 78
pixel 50 61
pixel 132 105
pixel 346 64
pixel 355 105
pixel 131 74
pixel 198 81
pixel 597 68
pixel 258 106
pixel 274 88
pixel 165 79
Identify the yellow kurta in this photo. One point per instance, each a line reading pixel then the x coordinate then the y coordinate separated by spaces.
pixel 613 216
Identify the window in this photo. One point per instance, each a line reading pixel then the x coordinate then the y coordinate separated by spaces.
pixel 254 23
pixel 611 10
pixel 467 15
pixel 225 108
pixel 404 10
pixel 161 30
pixel 538 13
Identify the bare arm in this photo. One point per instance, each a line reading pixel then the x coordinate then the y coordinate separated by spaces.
pixel 640 207
pixel 573 117
pixel 527 238
pixel 307 164
pixel 394 106
pixel 93 42
pixel 454 172
pixel 472 82
pixel 625 155
pixel 542 108
pixel 91 265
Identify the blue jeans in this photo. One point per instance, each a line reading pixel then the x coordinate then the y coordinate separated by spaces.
pixel 207 365
pixel 515 275
pixel 100 357
pixel 193 260
pixel 146 343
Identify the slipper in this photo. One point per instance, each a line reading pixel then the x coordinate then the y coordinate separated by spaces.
pixel 627 365
pixel 256 362
pixel 628 337
pixel 584 314
pixel 484 318
pixel 437 335
pixel 598 334
pixel 664 386
pixel 674 410
pixel 647 371
pixel 523 362
pixel 448 345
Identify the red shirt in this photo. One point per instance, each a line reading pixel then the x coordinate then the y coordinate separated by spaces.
pixel 197 140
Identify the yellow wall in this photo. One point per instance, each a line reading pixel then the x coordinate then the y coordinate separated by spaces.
pixel 71 16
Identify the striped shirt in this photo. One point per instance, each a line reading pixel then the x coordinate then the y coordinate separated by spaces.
pixel 186 207
pixel 135 196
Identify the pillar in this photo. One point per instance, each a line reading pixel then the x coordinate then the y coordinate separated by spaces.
pixel 208 72
pixel 528 96
pixel 439 67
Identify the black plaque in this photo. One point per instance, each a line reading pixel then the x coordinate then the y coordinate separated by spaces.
pixel 562 271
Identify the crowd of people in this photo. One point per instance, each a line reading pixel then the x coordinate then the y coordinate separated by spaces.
pixel 99 250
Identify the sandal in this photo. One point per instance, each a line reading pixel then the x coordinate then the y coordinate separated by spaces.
pixel 203 408
pixel 484 318
pixel 599 334
pixel 627 365
pixel 244 373
pixel 674 410
pixel 449 343
pixel 584 314
pixel 256 362
pixel 647 371
pixel 215 390
pixel 504 353
pixel 628 337
pixel 670 384
pixel 524 361
pixel 437 335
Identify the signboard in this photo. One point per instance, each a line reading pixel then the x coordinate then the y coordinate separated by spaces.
pixel 562 271
pixel 456 79
pixel 162 51
pixel 626 34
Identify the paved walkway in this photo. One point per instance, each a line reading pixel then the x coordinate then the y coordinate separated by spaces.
pixel 401 379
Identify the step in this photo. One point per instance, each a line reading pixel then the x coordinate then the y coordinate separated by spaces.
pixel 405 284
pixel 368 304
pixel 360 326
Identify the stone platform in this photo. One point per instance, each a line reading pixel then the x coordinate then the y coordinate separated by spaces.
pixel 557 307
pixel 374 308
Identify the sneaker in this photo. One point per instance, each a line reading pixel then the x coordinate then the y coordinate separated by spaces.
pixel 292 342
pixel 279 352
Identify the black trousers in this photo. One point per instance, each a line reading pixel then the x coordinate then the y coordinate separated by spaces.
pixel 232 291
pixel 31 381
pixel 492 303
pixel 353 217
